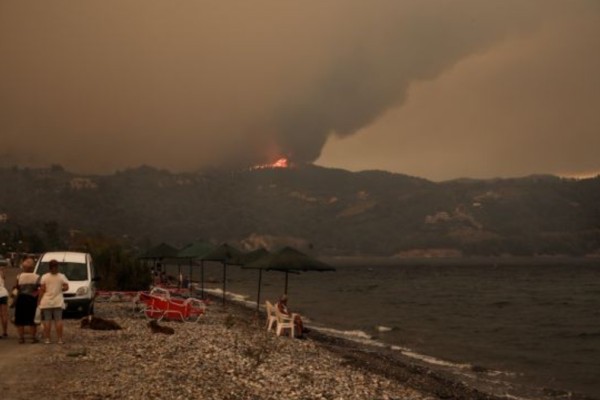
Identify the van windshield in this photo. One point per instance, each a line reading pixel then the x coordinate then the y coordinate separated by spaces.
pixel 73 271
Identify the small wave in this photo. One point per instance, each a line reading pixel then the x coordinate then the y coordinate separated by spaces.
pixel 232 295
pixel 381 328
pixel 512 397
pixel 465 367
pixel 436 361
pixel 351 334
pixel 238 298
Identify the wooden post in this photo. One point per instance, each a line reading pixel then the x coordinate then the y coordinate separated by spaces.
pixel 258 296
pixel 224 280
pixel 202 279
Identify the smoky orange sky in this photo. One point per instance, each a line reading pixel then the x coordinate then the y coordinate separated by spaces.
pixel 432 88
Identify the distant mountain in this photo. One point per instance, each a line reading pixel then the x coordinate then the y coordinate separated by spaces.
pixel 333 211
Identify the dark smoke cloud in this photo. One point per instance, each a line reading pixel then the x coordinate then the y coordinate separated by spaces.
pixel 107 85
pixel 372 71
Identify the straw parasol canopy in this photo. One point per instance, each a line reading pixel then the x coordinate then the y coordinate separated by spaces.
pixel 288 260
pixel 160 252
pixel 195 250
pixel 254 255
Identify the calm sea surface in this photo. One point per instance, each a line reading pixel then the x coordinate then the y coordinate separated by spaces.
pixel 532 324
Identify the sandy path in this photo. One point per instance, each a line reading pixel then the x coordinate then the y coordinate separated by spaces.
pixel 16 360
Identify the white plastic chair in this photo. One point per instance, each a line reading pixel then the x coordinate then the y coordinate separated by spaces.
pixel 271 316
pixel 285 322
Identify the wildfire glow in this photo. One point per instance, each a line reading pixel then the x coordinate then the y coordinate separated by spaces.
pixel 281 163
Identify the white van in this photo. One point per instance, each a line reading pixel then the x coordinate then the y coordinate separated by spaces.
pixel 79 270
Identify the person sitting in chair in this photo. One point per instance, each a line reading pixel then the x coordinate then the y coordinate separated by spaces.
pixel 283 308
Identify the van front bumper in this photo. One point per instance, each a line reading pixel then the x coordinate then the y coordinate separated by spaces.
pixel 78 305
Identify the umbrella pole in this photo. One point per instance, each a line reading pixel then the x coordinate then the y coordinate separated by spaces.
pixel 286 283
pixel 224 281
pixel 179 275
pixel 191 272
pixel 155 273
pixel 202 279
pixel 258 296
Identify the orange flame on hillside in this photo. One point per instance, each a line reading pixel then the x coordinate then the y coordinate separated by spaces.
pixel 281 163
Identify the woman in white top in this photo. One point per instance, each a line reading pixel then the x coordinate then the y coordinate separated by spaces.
pixel 3 305
pixel 27 286
pixel 51 300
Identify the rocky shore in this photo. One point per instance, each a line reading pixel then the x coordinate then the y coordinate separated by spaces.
pixel 227 355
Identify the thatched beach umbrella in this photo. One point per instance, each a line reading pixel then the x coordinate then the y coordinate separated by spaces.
pixel 228 255
pixel 195 251
pixel 288 260
pixel 160 252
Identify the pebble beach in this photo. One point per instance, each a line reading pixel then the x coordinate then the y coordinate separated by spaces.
pixel 228 354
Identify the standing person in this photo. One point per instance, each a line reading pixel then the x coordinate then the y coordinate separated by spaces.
pixel 283 308
pixel 27 286
pixel 3 305
pixel 51 300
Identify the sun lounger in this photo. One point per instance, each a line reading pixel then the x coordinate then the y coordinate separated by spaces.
pixel 158 304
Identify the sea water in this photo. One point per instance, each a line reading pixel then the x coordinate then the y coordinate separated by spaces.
pixel 518 325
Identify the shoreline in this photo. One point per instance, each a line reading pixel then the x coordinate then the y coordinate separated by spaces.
pixel 381 361
pixel 230 355
pixel 227 355
pixel 475 383
pixel 445 378
pixel 385 362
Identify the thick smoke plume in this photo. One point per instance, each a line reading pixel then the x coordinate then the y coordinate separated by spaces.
pixel 373 67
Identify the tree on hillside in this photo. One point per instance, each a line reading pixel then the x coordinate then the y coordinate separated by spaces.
pixel 117 265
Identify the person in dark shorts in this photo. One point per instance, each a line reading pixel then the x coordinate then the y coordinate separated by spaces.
pixel 28 284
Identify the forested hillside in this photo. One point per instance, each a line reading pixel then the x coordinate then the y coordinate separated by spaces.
pixel 333 211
